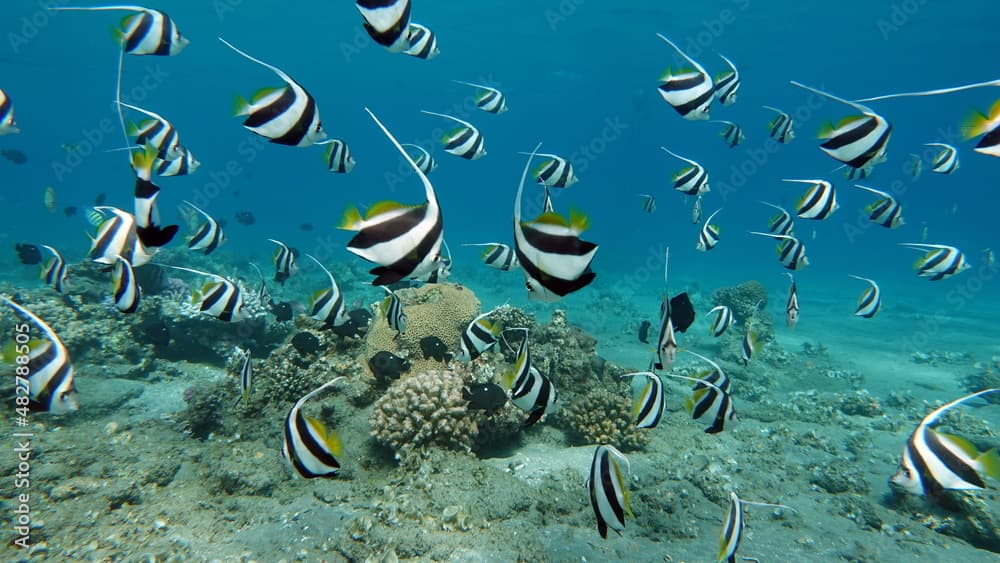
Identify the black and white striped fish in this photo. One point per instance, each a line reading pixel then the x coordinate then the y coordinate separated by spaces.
pixel 858 141
pixel 147 215
pixel 557 172
pixel 309 447
pixel 465 141
pixel 246 377
pixel 781 128
pixel 478 337
pixel 792 305
pixel 819 202
pixel 696 210
pixel 490 99
pixel 731 133
pixel 7 124
pixel 934 462
pixel 50 371
pixel 424 161
pixel 147 32
pixel 791 251
pixel 284 261
pixel 221 298
pixel 666 341
pixel 709 235
pixel 782 223
pixel 710 402
pixel 648 203
pixel 689 91
pixel 423 42
pixel 405 240
pixel 727 84
pixel 327 304
pixel 648 399
pixel 692 180
pixel 185 163
pixel 609 494
pixel 209 235
pixel 387 22
pixel 392 310
pixel 946 160
pixel 749 345
pixel 156 131
pixel 732 529
pixel 54 271
pixel 547 206
pixel 338 156
pixel 722 321
pixel 124 287
pixel 530 391
pixel 884 211
pixel 555 261
pixel 498 255
pixel 987 125
pixel 870 302
pixel 939 261
pixel 117 236
pixel 286 115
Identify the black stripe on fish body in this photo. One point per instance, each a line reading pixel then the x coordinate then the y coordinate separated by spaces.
pixel 557 286
pixel 651 405
pixel 145 189
pixel 938 259
pixel 694 176
pixel 825 200
pixel 405 266
pixel 393 33
pixel 47 370
pixel 301 430
pixel 920 470
pixel 692 105
pixel 732 532
pixel 602 526
pixel 143 26
pixel 863 132
pixel 499 254
pixel 50 391
pixel 990 140
pixel 870 303
pixel 263 115
pixel 723 413
pixel 951 269
pixel 607 475
pixel 233 305
pixel 566 245
pixel 545 390
pixel 677 84
pixel 217 294
pixel 207 232
pixel 489 101
pixel 318 450
pixel 477 340
pixel 126 291
pixel 166 33
pixel 303 125
pixel 858 131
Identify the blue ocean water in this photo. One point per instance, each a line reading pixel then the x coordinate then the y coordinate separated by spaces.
pixel 580 77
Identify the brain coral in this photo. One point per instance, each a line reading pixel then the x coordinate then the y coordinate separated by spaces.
pixel 440 309
pixel 742 298
pixel 601 417
pixel 424 409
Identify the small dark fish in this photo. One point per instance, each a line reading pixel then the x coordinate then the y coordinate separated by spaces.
pixel 307 227
pixel 14 155
pixel 245 218
pixel 433 347
pixel 644 332
pixel 28 253
pixel 488 397
pixel 100 199
pixel 356 325
pixel 387 367
pixel 155 330
pixel 282 311
pixel 681 312
pixel 306 343
pixel 70 211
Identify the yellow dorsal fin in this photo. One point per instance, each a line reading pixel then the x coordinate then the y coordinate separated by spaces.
pixel 351 221
pixel 263 93
pixel 579 220
pixel 329 438
pixel 989 461
pixel 384 207
pixel 959 442
pixel 447 137
pixel 318 295
pixel 551 218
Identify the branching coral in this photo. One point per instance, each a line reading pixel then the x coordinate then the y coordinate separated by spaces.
pixel 424 409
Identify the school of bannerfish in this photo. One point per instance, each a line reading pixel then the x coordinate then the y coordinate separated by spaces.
pixel 405 243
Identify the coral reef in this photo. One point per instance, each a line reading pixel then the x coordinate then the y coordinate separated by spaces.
pixel 985 376
pixel 742 298
pixel 442 310
pixel 601 417
pixel 425 409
